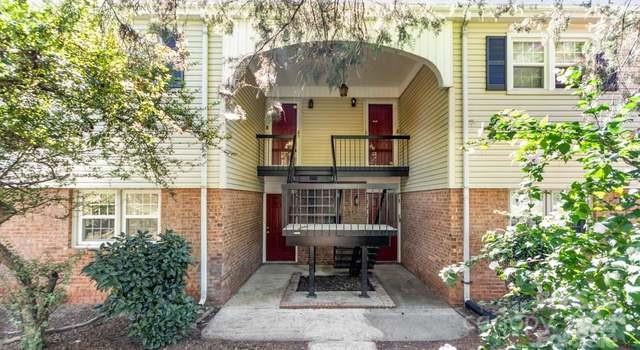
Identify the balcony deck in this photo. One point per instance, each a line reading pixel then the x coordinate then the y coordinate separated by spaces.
pixel 352 156
pixel 342 171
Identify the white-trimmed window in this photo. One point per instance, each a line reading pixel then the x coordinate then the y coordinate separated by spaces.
pixel 550 201
pixel 103 214
pixel 528 63
pixel 535 60
pixel 568 52
pixel 142 211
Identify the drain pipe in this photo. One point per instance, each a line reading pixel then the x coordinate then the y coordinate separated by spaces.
pixel 466 225
pixel 204 258
pixel 465 166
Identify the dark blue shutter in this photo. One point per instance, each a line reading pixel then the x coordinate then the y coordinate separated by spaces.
pixel 177 76
pixel 496 63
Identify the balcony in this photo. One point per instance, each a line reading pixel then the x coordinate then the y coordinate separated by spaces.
pixel 352 155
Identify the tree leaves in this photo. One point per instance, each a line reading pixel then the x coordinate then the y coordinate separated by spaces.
pixel 574 272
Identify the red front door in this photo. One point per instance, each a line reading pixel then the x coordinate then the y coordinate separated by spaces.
pixel 380 123
pixel 277 249
pixel 286 125
pixel 386 214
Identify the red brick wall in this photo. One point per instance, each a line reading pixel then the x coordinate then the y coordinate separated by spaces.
pixel 234 238
pixel 432 237
pixel 44 234
pixel 484 203
pixel 324 255
pixel 180 211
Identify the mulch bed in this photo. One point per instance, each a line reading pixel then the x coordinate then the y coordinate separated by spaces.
pixel 332 283
pixel 112 334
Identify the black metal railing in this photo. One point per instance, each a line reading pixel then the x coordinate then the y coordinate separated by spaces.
pixel 292 163
pixel 353 206
pixel 276 150
pixel 370 150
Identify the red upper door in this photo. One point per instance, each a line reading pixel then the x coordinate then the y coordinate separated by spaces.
pixel 277 249
pixel 286 125
pixel 381 123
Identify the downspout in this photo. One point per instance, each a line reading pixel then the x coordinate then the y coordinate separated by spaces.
pixel 465 167
pixel 204 258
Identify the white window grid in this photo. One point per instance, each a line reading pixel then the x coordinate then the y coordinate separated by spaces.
pixel 120 215
pixel 139 214
pixel 550 64
pixel 550 201
pixel 561 63
pixel 81 241
pixel 512 63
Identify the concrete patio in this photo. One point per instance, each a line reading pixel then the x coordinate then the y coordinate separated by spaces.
pixel 254 314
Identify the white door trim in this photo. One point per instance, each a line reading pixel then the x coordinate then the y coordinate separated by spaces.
pixel 394 115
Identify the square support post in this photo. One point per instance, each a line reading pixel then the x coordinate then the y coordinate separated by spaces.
pixel 364 277
pixel 312 272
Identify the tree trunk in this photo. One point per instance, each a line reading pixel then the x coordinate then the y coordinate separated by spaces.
pixel 33 329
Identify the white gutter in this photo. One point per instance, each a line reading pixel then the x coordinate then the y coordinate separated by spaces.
pixel 465 166
pixel 204 257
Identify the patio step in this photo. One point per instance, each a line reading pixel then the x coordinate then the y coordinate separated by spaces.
pixel 349 258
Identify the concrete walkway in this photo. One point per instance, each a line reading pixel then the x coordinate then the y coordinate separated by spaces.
pixel 253 313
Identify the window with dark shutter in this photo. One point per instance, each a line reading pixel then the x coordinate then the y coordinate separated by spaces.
pixel 177 76
pixel 496 63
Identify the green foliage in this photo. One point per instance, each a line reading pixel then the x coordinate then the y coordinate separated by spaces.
pixel 145 280
pixel 40 289
pixel 574 275
pixel 78 85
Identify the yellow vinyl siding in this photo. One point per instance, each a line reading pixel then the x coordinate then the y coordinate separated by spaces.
pixel 494 167
pixel 329 116
pixel 214 71
pixel 186 148
pixel 424 115
pixel 242 145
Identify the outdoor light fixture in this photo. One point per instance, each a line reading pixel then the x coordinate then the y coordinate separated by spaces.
pixel 344 89
pixel 310 105
pixel 353 102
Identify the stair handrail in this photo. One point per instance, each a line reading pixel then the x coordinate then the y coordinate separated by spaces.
pixel 384 194
pixel 292 161
pixel 333 155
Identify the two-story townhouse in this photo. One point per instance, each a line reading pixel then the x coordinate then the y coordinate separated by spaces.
pixel 400 127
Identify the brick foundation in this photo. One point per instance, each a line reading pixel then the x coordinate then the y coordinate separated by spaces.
pixel 432 237
pixel 234 238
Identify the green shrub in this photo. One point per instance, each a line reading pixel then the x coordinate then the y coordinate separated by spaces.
pixel 145 280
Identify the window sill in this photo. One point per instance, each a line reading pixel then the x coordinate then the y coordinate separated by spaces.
pixel 540 92
pixel 90 245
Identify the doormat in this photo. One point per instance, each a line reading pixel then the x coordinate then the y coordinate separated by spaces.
pixel 333 283
pixel 296 298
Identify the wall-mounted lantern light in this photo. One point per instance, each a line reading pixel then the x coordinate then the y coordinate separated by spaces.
pixel 310 105
pixel 344 89
pixel 353 102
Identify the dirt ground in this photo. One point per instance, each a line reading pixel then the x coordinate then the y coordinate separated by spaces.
pixel 111 334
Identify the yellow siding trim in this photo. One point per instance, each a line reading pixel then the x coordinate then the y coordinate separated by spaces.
pixel 242 145
pixel 424 115
pixel 329 116
pixel 493 168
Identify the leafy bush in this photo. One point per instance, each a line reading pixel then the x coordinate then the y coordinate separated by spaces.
pixel 145 280
pixel 573 275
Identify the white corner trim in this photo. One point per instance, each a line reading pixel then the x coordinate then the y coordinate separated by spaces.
pixel 204 180
pixel 466 245
pixel 452 138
